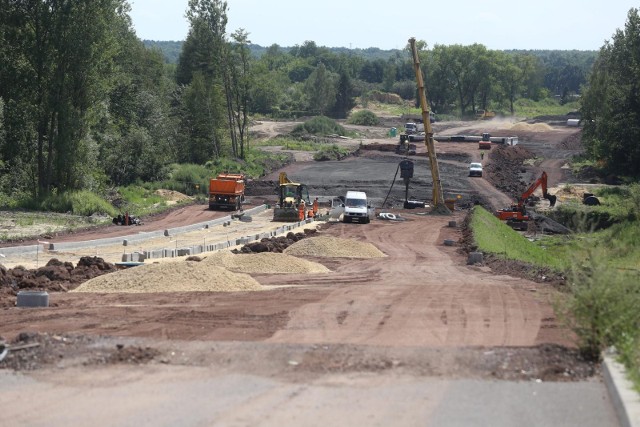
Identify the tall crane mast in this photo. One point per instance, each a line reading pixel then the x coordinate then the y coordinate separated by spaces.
pixel 439 205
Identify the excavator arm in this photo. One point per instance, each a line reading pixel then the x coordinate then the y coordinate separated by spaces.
pixel 516 215
pixel 540 182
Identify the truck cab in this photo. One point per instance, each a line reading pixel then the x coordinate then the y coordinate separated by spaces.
pixel 356 207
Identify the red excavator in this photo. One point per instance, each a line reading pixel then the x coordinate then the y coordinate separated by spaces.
pixel 516 215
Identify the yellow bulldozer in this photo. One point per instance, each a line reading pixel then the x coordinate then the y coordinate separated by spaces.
pixel 294 203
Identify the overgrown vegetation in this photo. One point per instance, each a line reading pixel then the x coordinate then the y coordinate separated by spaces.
pixel 82 203
pixel 603 309
pixel 363 118
pixel 319 125
pixel 603 283
pixel 331 152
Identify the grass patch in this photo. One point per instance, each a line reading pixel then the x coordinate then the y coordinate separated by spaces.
pixel 545 107
pixel 290 144
pixel 619 241
pixel 493 236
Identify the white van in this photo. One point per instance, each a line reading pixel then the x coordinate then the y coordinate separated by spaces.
pixel 356 207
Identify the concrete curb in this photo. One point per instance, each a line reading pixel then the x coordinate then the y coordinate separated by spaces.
pixel 625 400
pixel 212 247
pixel 130 239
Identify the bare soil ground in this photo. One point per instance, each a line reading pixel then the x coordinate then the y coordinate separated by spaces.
pixel 421 310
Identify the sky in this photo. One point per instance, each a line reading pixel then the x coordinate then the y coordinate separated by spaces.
pixel 497 24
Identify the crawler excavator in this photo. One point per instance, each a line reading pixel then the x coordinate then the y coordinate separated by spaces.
pixel 516 215
pixel 293 201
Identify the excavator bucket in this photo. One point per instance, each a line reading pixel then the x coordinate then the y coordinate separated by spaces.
pixel 552 199
pixel 286 214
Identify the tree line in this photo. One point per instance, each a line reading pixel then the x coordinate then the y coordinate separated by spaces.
pixel 84 104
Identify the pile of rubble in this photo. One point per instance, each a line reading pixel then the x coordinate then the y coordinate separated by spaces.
pixel 55 276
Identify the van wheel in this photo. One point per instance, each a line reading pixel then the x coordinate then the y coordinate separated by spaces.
pixel 367 221
pixel 346 220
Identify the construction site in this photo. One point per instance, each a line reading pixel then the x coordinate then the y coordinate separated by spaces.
pixel 326 293
pixel 306 300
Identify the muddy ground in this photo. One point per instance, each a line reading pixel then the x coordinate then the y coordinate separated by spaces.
pixel 420 311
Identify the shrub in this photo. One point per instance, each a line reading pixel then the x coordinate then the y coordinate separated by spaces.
pixel 77 203
pixel 363 118
pixel 602 307
pixel 331 152
pixel 320 125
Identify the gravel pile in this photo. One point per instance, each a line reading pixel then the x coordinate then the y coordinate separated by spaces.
pixel 265 262
pixel 186 276
pixel 324 246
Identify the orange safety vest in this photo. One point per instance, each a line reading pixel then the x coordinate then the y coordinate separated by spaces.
pixel 301 211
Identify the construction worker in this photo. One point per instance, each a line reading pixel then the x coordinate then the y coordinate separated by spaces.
pixel 482 155
pixel 301 211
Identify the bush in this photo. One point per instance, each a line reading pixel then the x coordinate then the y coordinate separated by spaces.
pixel 77 203
pixel 331 152
pixel 320 125
pixel 363 118
pixel 602 308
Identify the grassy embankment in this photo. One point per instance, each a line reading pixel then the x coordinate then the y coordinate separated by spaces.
pixel 603 270
pixel 522 108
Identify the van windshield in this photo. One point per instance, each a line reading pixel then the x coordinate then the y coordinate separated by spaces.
pixel 356 203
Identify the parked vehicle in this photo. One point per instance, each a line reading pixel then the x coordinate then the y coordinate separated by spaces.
pixel 475 169
pixel 356 207
pixel 226 191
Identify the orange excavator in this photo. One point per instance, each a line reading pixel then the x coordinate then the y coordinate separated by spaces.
pixel 516 215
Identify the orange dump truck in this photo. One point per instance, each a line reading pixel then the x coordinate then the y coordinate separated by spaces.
pixel 226 191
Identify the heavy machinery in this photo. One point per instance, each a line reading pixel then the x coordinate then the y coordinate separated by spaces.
pixel 485 114
pixel 439 205
pixel 485 142
pixel 294 203
pixel 226 191
pixel 516 215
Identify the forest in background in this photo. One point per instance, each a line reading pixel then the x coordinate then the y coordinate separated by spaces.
pixel 86 105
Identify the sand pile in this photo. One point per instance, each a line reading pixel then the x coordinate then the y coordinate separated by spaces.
pixel 180 276
pixel 265 262
pixel 172 196
pixel 325 246
pixel 537 127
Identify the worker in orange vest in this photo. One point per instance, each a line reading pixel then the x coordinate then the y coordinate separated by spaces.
pixel 301 211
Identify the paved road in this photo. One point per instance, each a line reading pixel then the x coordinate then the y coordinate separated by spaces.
pixel 189 396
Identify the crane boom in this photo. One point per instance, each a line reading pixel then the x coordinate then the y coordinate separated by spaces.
pixel 438 194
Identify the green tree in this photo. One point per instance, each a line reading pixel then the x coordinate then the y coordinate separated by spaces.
pixel 61 59
pixel 321 90
pixel 611 103
pixel 241 82
pixel 344 97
